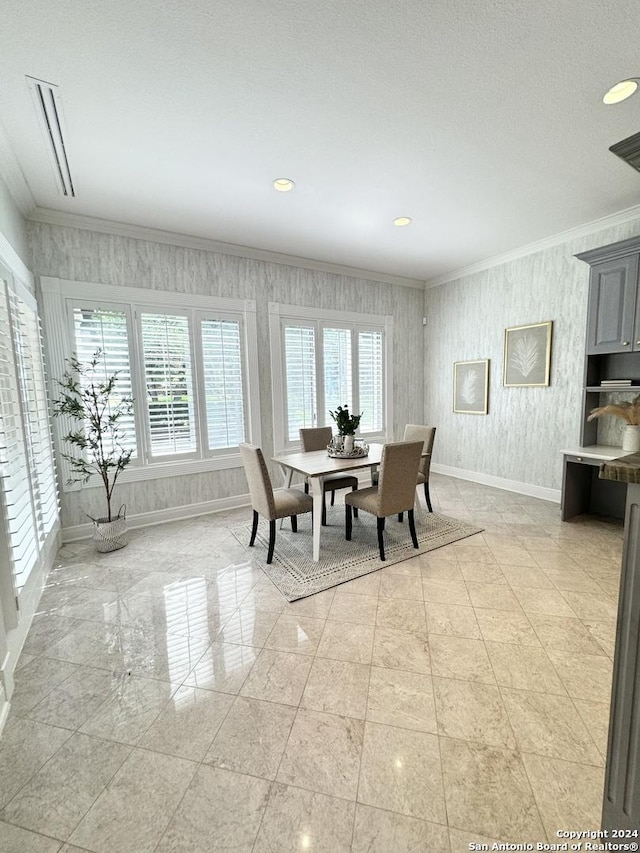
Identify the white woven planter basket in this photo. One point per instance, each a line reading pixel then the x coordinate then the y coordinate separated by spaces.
pixel 110 535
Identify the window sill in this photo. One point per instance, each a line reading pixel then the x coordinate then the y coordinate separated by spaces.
pixel 156 471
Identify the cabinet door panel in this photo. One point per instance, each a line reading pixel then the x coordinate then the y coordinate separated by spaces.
pixel 636 321
pixel 612 303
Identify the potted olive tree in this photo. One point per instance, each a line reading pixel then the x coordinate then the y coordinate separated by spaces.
pixel 347 425
pixel 91 399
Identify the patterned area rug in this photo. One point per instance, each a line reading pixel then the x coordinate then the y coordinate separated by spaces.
pixel 297 576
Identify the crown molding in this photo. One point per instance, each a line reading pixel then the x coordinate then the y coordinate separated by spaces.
pixel 611 221
pixel 169 238
pixel 13 177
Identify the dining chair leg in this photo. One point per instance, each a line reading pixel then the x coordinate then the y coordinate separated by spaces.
pixel 306 488
pixel 333 497
pixel 254 529
pixel 426 496
pixel 294 523
pixel 381 538
pixel 324 510
pixel 400 517
pixel 348 521
pixel 355 509
pixel 272 540
pixel 412 528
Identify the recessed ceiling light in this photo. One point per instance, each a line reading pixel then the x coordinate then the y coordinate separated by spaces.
pixel 283 185
pixel 621 91
pixel 402 220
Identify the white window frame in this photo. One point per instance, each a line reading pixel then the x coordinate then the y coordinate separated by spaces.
pixel 60 296
pixel 279 315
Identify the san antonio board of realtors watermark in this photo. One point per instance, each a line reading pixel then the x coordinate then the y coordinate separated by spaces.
pixel 583 841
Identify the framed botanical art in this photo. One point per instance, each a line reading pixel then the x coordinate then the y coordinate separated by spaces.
pixel 471 387
pixel 527 355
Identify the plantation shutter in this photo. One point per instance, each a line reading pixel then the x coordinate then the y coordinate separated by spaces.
pixel 106 330
pixel 300 369
pixel 337 371
pixel 27 474
pixel 371 380
pixel 223 386
pixel 37 422
pixel 169 384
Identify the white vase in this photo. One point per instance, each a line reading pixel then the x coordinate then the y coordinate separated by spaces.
pixel 631 438
pixel 348 444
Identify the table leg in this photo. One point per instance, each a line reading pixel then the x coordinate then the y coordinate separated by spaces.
pixel 288 477
pixel 419 512
pixel 317 491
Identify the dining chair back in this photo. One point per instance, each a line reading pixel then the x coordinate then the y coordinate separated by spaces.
pixel 426 434
pixel 317 438
pixel 395 492
pixel 264 501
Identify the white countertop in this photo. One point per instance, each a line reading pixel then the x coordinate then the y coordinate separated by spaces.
pixel 605 452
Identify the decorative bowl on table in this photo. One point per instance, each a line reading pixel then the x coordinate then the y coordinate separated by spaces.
pixel 336 449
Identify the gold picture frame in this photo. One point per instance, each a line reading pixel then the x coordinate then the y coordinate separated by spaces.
pixel 527 355
pixel 471 387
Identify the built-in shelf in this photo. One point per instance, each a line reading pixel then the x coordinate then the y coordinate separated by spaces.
pixel 602 452
pixel 605 388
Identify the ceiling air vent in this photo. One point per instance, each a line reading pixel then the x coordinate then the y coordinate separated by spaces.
pixel 629 150
pixel 49 108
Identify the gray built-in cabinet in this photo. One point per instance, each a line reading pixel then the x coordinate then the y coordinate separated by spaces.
pixel 621 805
pixel 613 326
pixel 613 352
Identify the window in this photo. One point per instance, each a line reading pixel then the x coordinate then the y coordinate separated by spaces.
pixel 29 497
pixel 106 330
pixel 223 382
pixel 168 375
pixel 371 380
pixel 338 381
pixel 300 366
pixel 324 359
pixel 188 361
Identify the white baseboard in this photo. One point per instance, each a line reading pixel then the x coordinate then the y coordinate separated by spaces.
pixel 161 516
pixel 531 491
pixel 5 707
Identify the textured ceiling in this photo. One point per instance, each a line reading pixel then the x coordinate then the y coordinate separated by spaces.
pixel 482 121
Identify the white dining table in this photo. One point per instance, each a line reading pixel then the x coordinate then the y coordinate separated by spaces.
pixel 315 465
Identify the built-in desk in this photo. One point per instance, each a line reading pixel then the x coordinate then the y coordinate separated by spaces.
pixel 582 490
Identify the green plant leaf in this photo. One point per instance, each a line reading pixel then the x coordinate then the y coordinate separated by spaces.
pixel 88 398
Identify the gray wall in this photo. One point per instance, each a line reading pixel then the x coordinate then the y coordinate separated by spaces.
pixel 12 224
pixel 80 255
pixel 526 428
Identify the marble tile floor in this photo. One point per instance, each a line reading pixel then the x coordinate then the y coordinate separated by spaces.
pixel 169 699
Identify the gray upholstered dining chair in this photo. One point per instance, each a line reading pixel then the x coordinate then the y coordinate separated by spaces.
pixel 264 501
pixel 395 492
pixel 426 434
pixel 317 438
